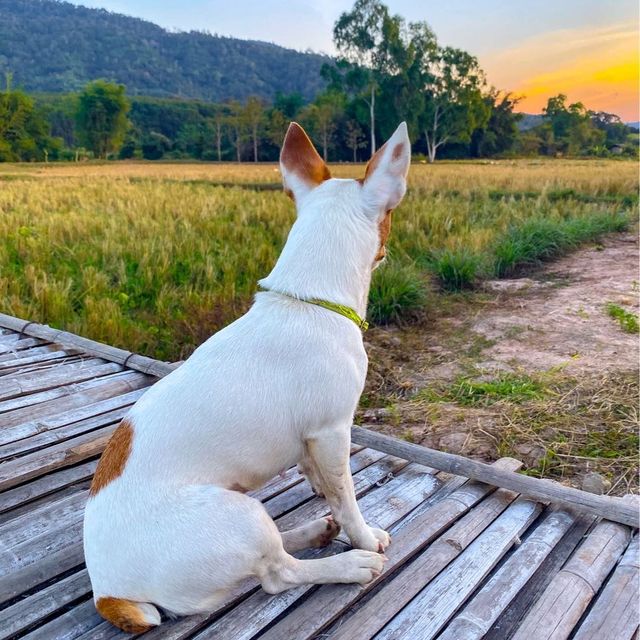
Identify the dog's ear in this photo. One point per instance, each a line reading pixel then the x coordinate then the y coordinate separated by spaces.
pixel 302 167
pixel 385 179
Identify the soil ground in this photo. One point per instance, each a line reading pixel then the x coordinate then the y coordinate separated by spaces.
pixel 532 367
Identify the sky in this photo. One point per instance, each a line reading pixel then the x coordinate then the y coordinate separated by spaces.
pixel 586 49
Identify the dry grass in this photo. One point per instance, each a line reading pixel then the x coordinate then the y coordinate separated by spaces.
pixel 155 257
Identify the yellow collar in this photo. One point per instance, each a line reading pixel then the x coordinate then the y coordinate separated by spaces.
pixel 341 309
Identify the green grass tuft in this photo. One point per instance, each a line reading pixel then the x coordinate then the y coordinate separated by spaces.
pixel 398 294
pixel 628 321
pixel 456 269
pixel 539 239
pixel 511 387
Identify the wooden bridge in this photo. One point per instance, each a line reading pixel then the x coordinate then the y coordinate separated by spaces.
pixel 478 551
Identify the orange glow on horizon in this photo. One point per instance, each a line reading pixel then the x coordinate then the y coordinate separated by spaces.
pixel 597 67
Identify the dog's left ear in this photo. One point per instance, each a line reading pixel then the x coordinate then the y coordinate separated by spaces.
pixel 385 179
pixel 302 167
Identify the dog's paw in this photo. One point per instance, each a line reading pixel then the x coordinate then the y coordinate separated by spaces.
pixel 372 539
pixel 361 566
pixel 328 529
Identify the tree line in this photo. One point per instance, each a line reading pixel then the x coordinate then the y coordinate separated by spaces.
pixel 386 71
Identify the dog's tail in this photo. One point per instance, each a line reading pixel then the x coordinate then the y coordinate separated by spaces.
pixel 132 617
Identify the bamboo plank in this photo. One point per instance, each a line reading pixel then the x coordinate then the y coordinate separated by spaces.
pixel 30 352
pixel 12 366
pixel 69 625
pixel 44 520
pixel 65 454
pixel 31 383
pixel 614 509
pixel 39 366
pixel 42 604
pixel 616 612
pixel 373 614
pixel 515 612
pixel 556 613
pixel 24 422
pixel 429 611
pixel 91 347
pixel 55 434
pixel 410 536
pixel 18 344
pixel 487 605
pixel 34 574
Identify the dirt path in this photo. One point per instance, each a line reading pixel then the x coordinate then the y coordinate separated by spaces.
pixel 532 367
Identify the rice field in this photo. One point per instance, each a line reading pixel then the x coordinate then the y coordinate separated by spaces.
pixel 156 257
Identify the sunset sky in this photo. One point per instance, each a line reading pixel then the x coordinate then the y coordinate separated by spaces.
pixel 587 49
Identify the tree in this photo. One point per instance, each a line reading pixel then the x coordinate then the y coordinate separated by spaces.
pixel 501 131
pixel 24 131
pixel 320 117
pixel 236 126
pixel 253 116
pixel 454 106
pixel 361 37
pixel 569 129
pixel 102 117
pixel 354 138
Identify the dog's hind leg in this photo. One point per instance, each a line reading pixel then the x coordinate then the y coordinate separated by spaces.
pixel 317 533
pixel 329 450
pixel 285 571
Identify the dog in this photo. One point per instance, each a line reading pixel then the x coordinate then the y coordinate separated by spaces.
pixel 168 523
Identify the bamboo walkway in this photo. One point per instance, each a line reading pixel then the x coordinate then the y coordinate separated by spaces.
pixel 468 560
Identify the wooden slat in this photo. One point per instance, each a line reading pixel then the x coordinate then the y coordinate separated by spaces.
pixel 372 615
pixel 26 421
pixel 413 534
pixel 55 434
pixel 556 613
pixel 24 384
pixel 511 619
pixel 487 605
pixel 91 347
pixel 46 485
pixel 40 605
pixel 615 509
pixel 18 344
pixel 25 363
pixel 616 612
pixel 39 366
pixel 70 625
pixel 67 453
pixel 10 356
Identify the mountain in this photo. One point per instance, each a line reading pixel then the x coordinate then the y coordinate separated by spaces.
pixel 529 121
pixel 52 46
pixel 633 125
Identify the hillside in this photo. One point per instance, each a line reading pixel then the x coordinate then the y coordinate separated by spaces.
pixel 58 47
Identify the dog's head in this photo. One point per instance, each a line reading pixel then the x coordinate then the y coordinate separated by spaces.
pixel 370 200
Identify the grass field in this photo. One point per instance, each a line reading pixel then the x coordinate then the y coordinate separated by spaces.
pixel 155 257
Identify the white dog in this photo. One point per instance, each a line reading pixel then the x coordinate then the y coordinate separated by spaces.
pixel 167 521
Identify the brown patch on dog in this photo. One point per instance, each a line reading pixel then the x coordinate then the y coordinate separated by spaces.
pixel 236 486
pixel 124 614
pixel 299 156
pixel 384 229
pixel 374 162
pixel 114 458
pixel 398 150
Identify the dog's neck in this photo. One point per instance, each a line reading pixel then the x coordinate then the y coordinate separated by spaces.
pixel 328 255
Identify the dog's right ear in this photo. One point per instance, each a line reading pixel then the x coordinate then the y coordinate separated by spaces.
pixel 302 167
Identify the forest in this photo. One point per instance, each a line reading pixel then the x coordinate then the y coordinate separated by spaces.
pixel 386 71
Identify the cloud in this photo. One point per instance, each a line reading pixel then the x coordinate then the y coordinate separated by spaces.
pixel 597 66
